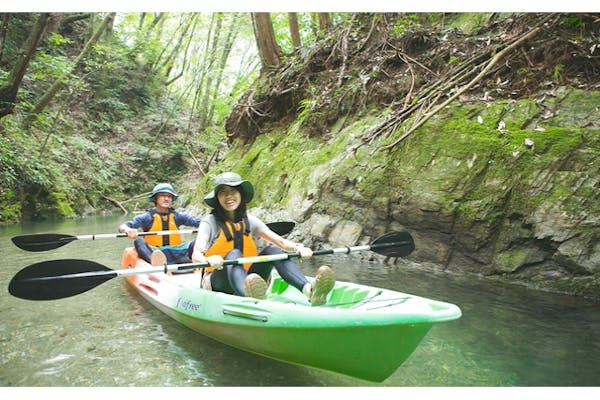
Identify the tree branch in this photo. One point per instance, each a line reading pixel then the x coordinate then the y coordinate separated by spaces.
pixel 466 87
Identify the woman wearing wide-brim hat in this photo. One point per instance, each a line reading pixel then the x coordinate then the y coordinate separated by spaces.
pixel 228 234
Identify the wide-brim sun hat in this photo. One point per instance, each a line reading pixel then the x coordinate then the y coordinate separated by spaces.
pixel 229 179
pixel 163 188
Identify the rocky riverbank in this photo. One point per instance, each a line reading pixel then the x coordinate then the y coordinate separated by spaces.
pixel 507 190
pixel 484 143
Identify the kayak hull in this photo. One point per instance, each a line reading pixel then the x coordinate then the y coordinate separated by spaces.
pixel 362 331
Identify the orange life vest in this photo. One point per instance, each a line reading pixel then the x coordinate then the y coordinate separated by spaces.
pixel 233 236
pixel 163 222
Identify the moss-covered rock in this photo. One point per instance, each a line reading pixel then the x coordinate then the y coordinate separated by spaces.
pixel 502 181
pixel 476 197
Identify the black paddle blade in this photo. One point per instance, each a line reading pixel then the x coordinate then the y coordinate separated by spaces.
pixel 394 244
pixel 42 241
pixel 281 228
pixel 57 279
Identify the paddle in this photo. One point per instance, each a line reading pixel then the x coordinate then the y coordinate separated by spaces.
pixel 50 241
pixel 57 279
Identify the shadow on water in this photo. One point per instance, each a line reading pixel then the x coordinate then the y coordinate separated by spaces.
pixel 110 336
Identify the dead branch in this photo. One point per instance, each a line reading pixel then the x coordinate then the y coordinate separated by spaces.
pixel 344 56
pixel 116 203
pixel 195 160
pixel 135 197
pixel 500 55
pixel 412 80
pixel 210 160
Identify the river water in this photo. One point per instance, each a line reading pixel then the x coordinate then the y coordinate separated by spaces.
pixel 509 336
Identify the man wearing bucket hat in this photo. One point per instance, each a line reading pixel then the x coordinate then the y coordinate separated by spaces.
pixel 228 233
pixel 161 249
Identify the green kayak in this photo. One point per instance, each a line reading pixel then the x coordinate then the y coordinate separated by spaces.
pixel 362 331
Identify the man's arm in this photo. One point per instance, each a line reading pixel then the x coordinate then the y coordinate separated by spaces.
pixel 131 227
pixel 187 220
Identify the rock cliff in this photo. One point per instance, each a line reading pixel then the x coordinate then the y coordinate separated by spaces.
pixel 493 163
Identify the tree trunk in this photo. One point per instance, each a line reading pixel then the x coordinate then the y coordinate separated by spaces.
pixel 212 59
pixel 324 22
pixel 294 30
pixel 61 81
pixel 150 33
pixel 232 33
pixel 199 78
pixel 185 40
pixel 3 31
pixel 314 24
pixel 268 49
pixel 8 91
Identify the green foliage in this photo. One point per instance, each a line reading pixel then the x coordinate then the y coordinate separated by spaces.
pixel 19 173
pixel 16 170
pixel 47 66
pixel 118 86
pixel 57 39
pixel 17 31
pixel 41 169
pixel 574 22
pixel 52 60
pixel 469 22
pixel 281 28
pixel 307 107
pixel 408 22
pixel 4 75
pixel 557 74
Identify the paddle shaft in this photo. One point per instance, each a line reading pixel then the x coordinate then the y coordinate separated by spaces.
pixel 120 235
pixel 374 247
pixel 104 273
pixel 256 259
pixel 49 241
pixel 152 233
pixel 141 270
pixel 57 279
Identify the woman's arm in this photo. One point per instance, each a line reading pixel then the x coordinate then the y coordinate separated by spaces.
pixel 202 244
pixel 287 245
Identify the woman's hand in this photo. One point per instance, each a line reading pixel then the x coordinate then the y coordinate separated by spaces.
pixel 215 261
pixel 286 244
pixel 304 252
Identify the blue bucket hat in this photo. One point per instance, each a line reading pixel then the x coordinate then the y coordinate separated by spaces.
pixel 163 188
pixel 230 179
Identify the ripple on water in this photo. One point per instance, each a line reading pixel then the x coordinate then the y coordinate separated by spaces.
pixel 53 366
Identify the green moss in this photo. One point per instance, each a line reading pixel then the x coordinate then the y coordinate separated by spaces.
pixel 511 260
pixel 10 208
pixel 558 143
pixel 462 162
pixel 468 22
pixel 572 108
pixel 56 205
